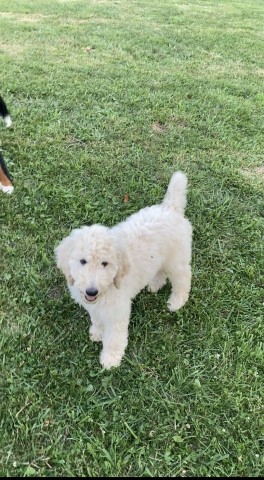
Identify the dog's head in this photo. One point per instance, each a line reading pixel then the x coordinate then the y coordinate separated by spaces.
pixel 91 261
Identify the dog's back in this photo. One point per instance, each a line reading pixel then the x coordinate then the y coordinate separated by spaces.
pixel 152 235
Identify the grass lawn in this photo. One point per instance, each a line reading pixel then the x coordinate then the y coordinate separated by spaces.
pixel 108 99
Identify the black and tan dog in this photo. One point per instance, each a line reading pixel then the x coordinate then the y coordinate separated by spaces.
pixel 5 179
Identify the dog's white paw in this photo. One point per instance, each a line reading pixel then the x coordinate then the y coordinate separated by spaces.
pixel 8 121
pixel 95 334
pixel 109 360
pixel 6 188
pixel 177 301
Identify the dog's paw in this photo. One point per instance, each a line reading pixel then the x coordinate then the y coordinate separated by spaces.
pixel 95 334
pixel 176 302
pixel 6 188
pixel 110 360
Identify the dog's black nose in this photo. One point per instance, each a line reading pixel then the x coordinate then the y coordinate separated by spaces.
pixel 91 292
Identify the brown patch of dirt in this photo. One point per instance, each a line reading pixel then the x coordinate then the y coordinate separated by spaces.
pixel 158 127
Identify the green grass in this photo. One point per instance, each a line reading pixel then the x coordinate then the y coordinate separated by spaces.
pixel 164 85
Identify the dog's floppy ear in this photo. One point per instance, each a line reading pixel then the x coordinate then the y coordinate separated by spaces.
pixel 123 268
pixel 62 255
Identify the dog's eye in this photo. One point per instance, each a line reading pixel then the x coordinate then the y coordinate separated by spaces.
pixel 104 264
pixel 83 261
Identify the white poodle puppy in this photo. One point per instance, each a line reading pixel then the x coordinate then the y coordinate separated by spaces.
pixel 106 267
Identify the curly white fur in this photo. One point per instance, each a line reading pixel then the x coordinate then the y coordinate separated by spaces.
pixel 106 267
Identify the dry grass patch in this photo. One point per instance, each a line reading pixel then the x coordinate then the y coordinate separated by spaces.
pixel 254 173
pixel 13 49
pixel 24 17
pixel 158 127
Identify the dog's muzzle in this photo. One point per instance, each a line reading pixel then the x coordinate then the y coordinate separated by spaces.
pixel 91 295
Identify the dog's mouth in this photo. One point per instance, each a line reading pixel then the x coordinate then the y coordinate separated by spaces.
pixel 90 298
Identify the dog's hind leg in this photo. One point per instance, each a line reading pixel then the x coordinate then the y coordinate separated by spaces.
pixel 157 282
pixel 180 279
pixel 5 179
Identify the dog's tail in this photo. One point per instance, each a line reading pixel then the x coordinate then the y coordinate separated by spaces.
pixel 5 113
pixel 175 196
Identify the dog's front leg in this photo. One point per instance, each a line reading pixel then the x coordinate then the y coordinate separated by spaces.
pixel 115 334
pixel 95 329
